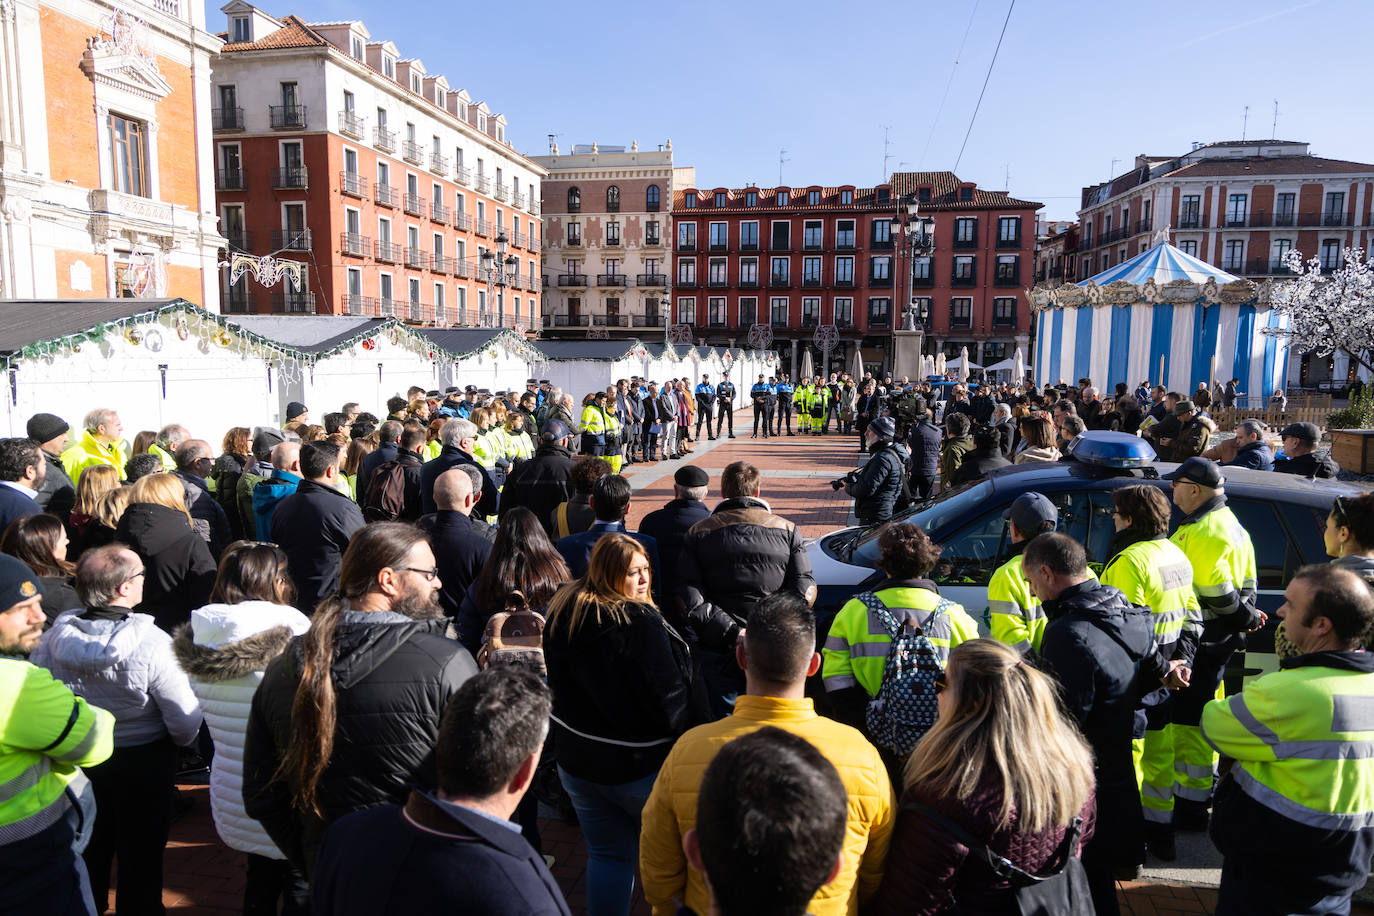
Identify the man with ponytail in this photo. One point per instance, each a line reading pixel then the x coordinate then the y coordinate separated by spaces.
pixel 347 717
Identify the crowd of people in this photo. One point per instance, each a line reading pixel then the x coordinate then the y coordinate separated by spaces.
pixel 392 638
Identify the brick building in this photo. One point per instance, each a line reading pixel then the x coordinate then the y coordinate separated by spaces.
pixel 1056 253
pixel 106 183
pixel 399 192
pixel 607 240
pixel 1240 205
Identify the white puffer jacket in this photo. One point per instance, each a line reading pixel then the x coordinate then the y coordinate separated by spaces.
pixel 126 668
pixel 225 649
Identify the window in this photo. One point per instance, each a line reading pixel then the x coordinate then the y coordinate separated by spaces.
pixel 966 194
pixel 385 292
pixel 687 236
pixel 651 198
pixel 717 275
pixel 748 311
pixel 965 232
pixel 846 198
pixel 612 198
pixel 719 199
pixel 994 351
pixel 782 236
pixel 687 271
pixel 715 311
pixel 574 200
pixel 879 312
pixel 813 198
pixel 719 236
pixel 613 233
pixel 811 234
pixel 1008 270
pixel 415 83
pixel 651 236
pixel 438 303
pixel 1190 211
pixel 574 232
pixel 351 161
pixel 748 271
pixel 1281 249
pixel 749 236
pixel 751 198
pixel 881 233
pixel 811 311
pixel 1334 214
pixel 129 152
pixel 1331 254
pixel 784 197
pixel 920 269
pixel 384 230
pixel 778 311
pixel 961 312
pixel 923 195
pixel 1009 230
pixel 1283 208
pixel 880 268
pixel 921 306
pixel 844 312
pixel 1187 246
pixel 1235 209
pixel 1235 256
pixel 963 268
pixel 355 46
pixel 482 122
pixel 1004 311
pixel 689 199
pixel 844 271
pixel 781 269
pixel 686 309
pixel 844 233
pixel 243 30
pixel 811 271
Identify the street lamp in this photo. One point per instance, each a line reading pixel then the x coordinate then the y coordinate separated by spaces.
pixel 915 234
pixel 498 268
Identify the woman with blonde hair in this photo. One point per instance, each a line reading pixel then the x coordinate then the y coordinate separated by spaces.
pixel 621 678
pixel 177 565
pixel 96 481
pixel 1037 434
pixel 1003 765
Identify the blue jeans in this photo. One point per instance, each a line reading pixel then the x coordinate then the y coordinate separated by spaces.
pixel 609 816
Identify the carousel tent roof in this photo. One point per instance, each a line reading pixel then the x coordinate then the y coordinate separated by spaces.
pixel 586 349
pixel 24 322
pixel 1164 263
pixel 309 333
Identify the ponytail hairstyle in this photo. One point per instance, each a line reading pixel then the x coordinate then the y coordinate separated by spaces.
pixel 374 547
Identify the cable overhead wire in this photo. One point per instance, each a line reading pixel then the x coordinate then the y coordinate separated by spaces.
pixel 979 104
pixel 949 82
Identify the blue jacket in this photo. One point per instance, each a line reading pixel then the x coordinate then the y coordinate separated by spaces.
pixel 14 504
pixel 430 857
pixel 577 548
pixel 924 440
pixel 266 494
pixel 459 552
pixel 706 394
pixel 1253 455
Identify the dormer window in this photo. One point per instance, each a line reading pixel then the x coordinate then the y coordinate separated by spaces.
pixel 440 97
pixel 783 198
pixel 500 133
pixel 751 198
pixel 689 199
pixel 720 199
pixel 846 197
pixel 242 29
pixel 356 47
pixel 388 66
pixel 415 83
pixel 884 196
pixel 462 111
pixel 966 194
pixel 813 198
pixel 923 195
pixel 481 122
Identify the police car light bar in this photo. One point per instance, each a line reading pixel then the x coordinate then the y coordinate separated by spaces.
pixel 1111 450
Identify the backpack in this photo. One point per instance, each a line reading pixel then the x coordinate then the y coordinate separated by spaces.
pixel 514 636
pixel 386 493
pixel 904 709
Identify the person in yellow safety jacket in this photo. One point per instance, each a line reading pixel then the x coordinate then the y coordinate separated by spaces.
pixel 855 651
pixel 1152 572
pixel 1294 818
pixel 819 404
pixel 47 734
pixel 1222 557
pixel 519 447
pixel 612 451
pixel 594 423
pixel 1015 616
pixel 99 444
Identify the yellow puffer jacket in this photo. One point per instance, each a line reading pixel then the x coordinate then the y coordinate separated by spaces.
pixel 86 451
pixel 671 809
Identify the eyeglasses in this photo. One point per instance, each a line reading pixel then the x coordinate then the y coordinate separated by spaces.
pixel 136 575
pixel 1338 509
pixel 940 683
pixel 429 574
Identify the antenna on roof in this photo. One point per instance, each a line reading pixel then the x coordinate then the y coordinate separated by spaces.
pixel 1112 173
pixel 553 145
pixel 1245 124
pixel 782 157
pixel 887 144
pixel 1006 181
pixel 1274 131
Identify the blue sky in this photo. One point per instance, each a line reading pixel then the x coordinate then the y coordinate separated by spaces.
pixel 1076 85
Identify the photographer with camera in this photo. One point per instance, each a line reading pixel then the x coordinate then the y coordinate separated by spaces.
pixel 878 485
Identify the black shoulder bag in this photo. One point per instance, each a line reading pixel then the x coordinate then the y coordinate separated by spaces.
pixel 1062 891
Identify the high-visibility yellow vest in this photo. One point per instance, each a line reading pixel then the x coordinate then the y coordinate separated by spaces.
pixel 86 451
pixel 593 420
pixel 1157 574
pixel 1223 561
pixel 1015 615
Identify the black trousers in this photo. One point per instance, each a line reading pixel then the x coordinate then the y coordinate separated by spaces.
pixel 704 414
pixel 725 414
pixel 766 415
pixel 784 419
pixel 921 485
pixel 41 874
pixel 133 797
pixel 270 880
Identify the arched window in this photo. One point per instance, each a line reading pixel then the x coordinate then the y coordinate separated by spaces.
pixel 574 200
pixel 651 199
pixel 612 199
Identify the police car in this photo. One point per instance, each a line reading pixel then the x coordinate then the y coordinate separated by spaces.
pixel 1284 514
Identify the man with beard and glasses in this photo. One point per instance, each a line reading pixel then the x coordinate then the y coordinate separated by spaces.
pixel 347 717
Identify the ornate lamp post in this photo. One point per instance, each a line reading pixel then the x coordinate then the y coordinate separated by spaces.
pixel 915 238
pixel 497 269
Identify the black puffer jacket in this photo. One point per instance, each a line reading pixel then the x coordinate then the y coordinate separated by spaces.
pixel 732 560
pixel 393 676
pixel 228 470
pixel 451 457
pixel 540 483
pixel 618 683
pixel 207 515
pixel 179 571
pixel 924 440
pixel 313 526
pixel 1309 465
pixel 58 493
pixel 879 484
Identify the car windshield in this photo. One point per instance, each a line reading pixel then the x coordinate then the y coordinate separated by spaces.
pixel 931 516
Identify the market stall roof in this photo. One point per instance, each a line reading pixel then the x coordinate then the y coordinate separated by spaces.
pixel 463 342
pixel 609 350
pixel 1163 263
pixel 310 333
pixel 25 322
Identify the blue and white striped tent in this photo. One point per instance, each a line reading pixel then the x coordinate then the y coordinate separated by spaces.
pixel 1165 316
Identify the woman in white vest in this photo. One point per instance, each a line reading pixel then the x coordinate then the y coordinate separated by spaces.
pixel 224 651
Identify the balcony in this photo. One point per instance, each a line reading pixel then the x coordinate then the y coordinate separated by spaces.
pixel 1143 225
pixel 1007 278
pixel 534 206
pixel 659 280
pixel 811 281
pixel 387 196
pixel 554 320
pixel 719 247
pixel 613 241
pixel 1011 244
pixel 717 282
pixel 843 324
pixel 417 259
pixel 780 281
pixel 880 282
pixel 292 240
pixel 439 164
pixel 295 177
pixel 294 302
pixel 573 242
pixel 461 269
pixel 748 283
pixel 1190 221
pixel 483 228
pixel 412 152
pixel 386 307
pixel 520 240
pixel 415 205
pixel 844 282
pixel 387 252
pixel 647 321
pixel 350 125
pixel 879 321
pixel 810 321
pixel 286 117
pixel 653 241
pixel 502 192
pixel 355 245
pixel 461 222
pixel 352 184
pixel 463 175
pixel 1266 267
pixel 1004 321
pixel 384 140
pixel 518 200
pixel 610 321
pixel 1333 219
pixel 686 244
pixel 685 282
pixel 749 246
pixel 958 280
pixel 418 312
pixel 1233 265
pixel 610 280
pixel 230 180
pixel 576 280
pixel 1235 220
pixel 242 240
pixel 882 244
pixel 237 302
pixel 1285 218
pixel 484 184
pixel 438 213
pixel 358 304
pixel 964 244
pixel 780 248
pixel 514 281
pixel 922 282
pixel 226 119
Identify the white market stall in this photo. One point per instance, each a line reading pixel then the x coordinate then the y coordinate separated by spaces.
pixel 497 359
pixel 1162 316
pixel 582 366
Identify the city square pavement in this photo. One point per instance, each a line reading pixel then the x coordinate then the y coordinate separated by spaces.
pixel 204 878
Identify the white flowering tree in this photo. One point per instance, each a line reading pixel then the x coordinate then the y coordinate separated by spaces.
pixel 1329 311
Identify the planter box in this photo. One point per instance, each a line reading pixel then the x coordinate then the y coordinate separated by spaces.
pixel 1353 449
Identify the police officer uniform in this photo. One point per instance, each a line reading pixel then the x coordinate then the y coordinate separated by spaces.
pixel 785 394
pixel 764 397
pixel 706 399
pixel 725 399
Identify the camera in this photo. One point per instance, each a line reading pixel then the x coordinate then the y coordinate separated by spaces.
pixel 844 481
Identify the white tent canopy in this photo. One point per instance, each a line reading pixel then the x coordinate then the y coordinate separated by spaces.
pixel 958 363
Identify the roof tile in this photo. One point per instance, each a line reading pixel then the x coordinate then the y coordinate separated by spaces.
pixel 294 33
